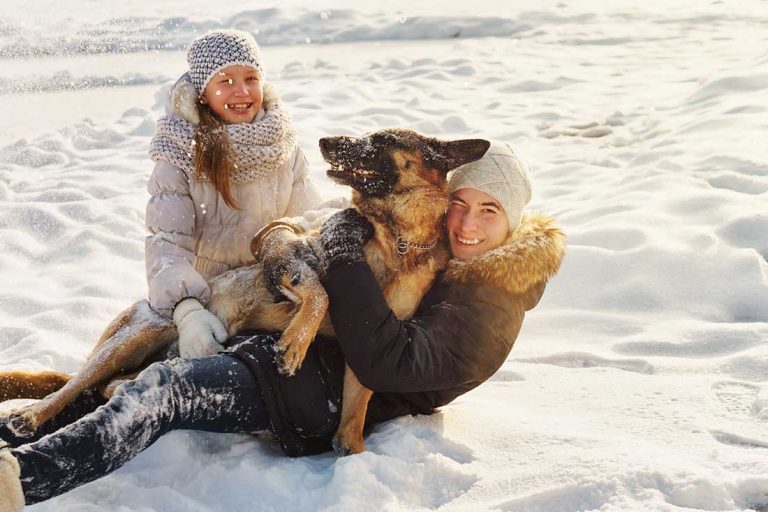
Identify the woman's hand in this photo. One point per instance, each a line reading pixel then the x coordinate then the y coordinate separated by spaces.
pixel 343 236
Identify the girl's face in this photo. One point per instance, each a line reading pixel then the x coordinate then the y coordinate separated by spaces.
pixel 234 94
pixel 476 223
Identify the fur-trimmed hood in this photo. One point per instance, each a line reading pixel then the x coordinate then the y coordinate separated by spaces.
pixel 183 99
pixel 530 255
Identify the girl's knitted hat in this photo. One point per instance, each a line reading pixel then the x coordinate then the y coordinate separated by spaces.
pixel 502 174
pixel 217 50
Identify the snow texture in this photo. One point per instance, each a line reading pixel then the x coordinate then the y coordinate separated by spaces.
pixel 640 382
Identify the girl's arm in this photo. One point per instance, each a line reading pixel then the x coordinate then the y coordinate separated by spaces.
pixel 170 219
pixel 304 194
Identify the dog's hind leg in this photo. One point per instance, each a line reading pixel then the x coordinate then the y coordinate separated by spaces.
pixel 354 404
pixel 129 340
pixel 165 353
pixel 23 384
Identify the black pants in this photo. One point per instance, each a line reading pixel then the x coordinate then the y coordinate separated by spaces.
pixel 216 393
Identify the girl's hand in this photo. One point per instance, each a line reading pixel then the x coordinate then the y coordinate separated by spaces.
pixel 201 333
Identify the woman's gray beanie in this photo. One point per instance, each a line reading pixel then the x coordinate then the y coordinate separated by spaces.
pixel 502 174
pixel 217 50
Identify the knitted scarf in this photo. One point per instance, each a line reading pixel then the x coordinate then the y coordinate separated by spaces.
pixel 259 148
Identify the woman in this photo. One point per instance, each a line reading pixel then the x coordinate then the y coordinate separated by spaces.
pixel 461 334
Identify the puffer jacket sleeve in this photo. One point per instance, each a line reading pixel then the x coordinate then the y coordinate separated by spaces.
pixel 313 219
pixel 170 220
pixel 307 222
pixel 304 194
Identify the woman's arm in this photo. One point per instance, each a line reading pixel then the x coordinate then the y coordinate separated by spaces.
pixel 170 220
pixel 441 347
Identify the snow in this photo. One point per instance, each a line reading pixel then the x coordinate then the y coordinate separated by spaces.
pixel 640 380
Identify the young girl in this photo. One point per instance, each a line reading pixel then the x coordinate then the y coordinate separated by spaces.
pixel 226 163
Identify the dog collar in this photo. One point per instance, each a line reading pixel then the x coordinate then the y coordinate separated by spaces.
pixel 402 245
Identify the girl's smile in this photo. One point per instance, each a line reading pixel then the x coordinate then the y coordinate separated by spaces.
pixel 239 108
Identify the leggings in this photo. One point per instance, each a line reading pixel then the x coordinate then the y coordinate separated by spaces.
pixel 216 393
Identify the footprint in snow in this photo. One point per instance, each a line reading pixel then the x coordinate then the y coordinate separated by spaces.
pixel 506 376
pixel 587 360
pixel 591 130
pixel 739 398
pixel 732 439
pixel 751 185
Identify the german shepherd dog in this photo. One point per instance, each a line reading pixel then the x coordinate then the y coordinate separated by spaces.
pixel 399 182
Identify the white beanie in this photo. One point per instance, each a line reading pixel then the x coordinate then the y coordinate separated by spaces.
pixel 502 174
pixel 217 50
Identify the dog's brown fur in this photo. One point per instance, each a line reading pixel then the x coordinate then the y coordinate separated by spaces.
pixel 399 183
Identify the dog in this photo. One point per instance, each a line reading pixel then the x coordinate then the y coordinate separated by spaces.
pixel 399 183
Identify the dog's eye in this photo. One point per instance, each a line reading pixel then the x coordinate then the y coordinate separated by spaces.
pixel 409 164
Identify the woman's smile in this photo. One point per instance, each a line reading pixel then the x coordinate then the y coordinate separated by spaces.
pixel 476 223
pixel 468 241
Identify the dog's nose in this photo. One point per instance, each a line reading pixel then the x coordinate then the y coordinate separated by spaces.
pixel 325 145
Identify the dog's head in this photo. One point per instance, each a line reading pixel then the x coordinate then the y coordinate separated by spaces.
pixel 384 162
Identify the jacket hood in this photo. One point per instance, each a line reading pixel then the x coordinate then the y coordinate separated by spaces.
pixel 530 255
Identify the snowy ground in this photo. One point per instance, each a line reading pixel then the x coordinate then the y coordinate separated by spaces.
pixel 640 382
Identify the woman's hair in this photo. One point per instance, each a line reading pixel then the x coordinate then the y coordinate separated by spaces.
pixel 213 155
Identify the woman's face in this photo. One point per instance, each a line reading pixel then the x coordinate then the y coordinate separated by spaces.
pixel 234 94
pixel 476 223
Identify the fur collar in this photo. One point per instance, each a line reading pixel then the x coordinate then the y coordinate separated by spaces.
pixel 531 254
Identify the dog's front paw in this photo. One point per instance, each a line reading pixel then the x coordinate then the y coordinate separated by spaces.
pixel 293 350
pixel 23 423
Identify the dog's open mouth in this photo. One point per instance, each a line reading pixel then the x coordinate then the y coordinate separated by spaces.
pixel 346 173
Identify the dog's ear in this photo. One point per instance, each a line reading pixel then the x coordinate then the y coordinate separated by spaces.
pixel 448 155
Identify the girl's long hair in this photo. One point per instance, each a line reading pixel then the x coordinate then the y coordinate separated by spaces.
pixel 213 155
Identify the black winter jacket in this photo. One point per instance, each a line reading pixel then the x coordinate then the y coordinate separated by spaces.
pixel 460 335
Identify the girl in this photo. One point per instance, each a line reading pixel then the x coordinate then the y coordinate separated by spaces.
pixel 226 163
pixel 461 334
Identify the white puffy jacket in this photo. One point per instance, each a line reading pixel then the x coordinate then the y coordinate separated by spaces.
pixel 195 236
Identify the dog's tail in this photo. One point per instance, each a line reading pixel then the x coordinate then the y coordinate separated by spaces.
pixel 23 384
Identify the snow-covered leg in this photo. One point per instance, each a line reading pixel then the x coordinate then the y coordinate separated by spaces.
pixel 216 393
